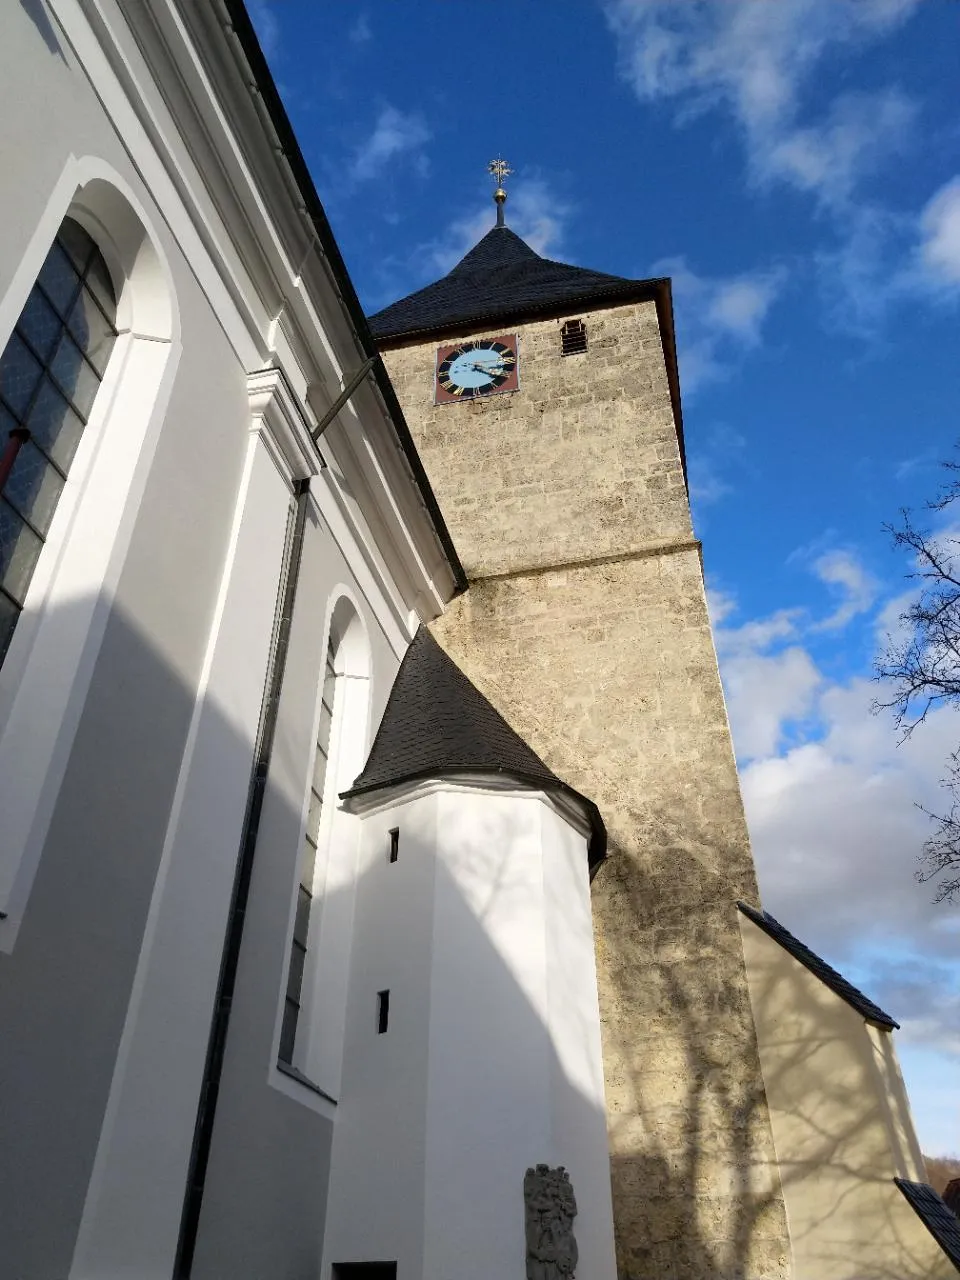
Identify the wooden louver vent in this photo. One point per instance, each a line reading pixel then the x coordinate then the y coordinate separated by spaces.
pixel 573 338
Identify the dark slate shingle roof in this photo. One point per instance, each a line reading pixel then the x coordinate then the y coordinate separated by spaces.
pixel 935 1216
pixel 827 975
pixel 437 723
pixel 500 276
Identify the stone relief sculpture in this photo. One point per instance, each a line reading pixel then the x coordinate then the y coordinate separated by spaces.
pixel 549 1208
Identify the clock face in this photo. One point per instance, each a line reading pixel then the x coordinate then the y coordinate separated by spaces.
pixel 476 368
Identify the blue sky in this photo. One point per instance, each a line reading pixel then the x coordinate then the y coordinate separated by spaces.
pixel 794 166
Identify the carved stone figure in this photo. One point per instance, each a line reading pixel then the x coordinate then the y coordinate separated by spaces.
pixel 550 1209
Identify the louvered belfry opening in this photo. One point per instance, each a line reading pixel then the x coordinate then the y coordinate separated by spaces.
pixel 573 338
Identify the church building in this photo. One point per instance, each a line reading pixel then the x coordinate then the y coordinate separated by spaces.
pixel 376 898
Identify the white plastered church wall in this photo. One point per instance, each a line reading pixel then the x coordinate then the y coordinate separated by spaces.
pixel 491 1063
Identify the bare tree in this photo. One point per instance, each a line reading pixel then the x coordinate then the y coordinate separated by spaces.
pixel 922 668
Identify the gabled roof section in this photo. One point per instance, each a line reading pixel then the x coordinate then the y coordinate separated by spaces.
pixel 819 968
pixel 935 1216
pixel 502 278
pixel 437 724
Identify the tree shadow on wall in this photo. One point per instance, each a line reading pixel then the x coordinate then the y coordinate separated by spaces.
pixel 683 1061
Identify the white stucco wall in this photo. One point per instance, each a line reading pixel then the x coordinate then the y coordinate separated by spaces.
pixel 841 1126
pixel 482 933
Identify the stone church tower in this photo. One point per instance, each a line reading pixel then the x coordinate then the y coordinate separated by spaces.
pixel 585 625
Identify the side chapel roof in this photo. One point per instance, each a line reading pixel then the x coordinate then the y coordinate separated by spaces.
pixel 837 983
pixel 437 724
pixel 500 278
pixel 935 1216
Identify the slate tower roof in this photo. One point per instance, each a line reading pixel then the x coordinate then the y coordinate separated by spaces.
pixel 503 278
pixel 437 724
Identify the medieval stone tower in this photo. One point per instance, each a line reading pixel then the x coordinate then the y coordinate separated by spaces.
pixel 544 401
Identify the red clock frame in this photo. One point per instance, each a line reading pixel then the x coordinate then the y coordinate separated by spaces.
pixel 446 392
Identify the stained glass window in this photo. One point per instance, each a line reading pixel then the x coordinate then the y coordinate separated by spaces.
pixel 50 373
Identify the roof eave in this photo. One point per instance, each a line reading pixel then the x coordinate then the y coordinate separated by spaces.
pixel 263 79
pixel 596 845
pixel 765 923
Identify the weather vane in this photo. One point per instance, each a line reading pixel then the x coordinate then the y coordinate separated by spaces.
pixel 500 170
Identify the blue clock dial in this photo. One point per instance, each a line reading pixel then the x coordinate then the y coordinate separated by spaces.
pixel 476 368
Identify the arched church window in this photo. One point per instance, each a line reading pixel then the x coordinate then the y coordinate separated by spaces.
pixel 573 338
pixel 50 372
pixel 308 864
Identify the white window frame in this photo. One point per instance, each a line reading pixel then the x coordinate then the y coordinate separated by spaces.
pixel 318 1048
pixel 46 673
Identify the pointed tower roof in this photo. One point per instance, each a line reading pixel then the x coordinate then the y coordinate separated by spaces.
pixel 502 278
pixel 437 724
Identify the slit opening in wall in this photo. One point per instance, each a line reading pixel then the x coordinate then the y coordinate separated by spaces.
pixel 394 834
pixel 383 1011
pixel 364 1271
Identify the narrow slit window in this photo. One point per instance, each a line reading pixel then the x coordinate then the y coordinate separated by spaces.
pixel 573 338
pixel 394 843
pixel 383 1011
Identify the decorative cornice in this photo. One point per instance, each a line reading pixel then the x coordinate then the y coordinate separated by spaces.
pixel 276 416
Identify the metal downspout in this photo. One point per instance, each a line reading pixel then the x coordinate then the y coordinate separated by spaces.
pixel 230 958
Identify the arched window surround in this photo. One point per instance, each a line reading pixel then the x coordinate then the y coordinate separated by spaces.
pixel 318 1050
pixel 46 672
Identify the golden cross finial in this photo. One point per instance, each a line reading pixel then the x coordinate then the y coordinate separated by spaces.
pixel 500 170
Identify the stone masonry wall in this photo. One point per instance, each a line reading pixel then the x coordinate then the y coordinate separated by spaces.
pixel 586 625
pixel 556 472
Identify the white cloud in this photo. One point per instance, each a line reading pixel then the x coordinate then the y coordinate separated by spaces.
pixel 828 159
pixel 717 316
pixel 940 236
pixel 755 58
pixel 360 32
pixel 855 588
pixel 534 210
pixel 267 26
pixel 764 64
pixel 395 134
pixel 831 801
pixel 768 693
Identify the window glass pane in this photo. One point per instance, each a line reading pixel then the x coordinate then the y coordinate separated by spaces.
pixel 98 280
pixel 40 324
pixel 323 732
pixel 19 375
pixel 308 864
pixel 59 280
pixel 319 770
pixel 75 376
pixel 313 815
pixel 33 487
pixel 9 613
pixel 54 425
pixel 302 921
pixel 295 976
pixel 77 243
pixel 288 1032
pixel 19 549
pixel 93 334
